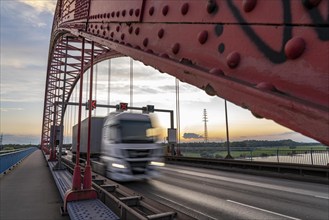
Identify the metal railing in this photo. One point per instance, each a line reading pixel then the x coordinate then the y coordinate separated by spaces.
pixel 8 160
pixel 299 156
pixel 126 203
pixel 9 151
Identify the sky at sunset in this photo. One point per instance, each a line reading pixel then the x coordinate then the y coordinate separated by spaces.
pixel 25 34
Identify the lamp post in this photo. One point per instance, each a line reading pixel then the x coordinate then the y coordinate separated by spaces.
pixel 228 156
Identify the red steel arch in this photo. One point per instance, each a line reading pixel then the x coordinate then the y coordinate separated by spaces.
pixel 67 50
pixel 270 57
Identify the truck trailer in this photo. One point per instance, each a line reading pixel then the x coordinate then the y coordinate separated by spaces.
pixel 123 144
pixel 95 138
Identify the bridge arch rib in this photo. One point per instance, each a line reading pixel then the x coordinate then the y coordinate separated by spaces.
pixel 276 66
pixel 64 70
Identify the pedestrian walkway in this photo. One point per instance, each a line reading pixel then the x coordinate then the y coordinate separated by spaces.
pixel 29 192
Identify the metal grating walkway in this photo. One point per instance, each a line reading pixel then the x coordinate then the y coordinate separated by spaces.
pixel 90 209
pixel 80 210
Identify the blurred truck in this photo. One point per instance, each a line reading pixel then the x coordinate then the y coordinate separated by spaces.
pixel 123 146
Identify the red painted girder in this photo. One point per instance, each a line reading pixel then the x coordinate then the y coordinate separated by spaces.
pixel 271 57
pixel 302 116
pixel 302 78
pixel 197 11
pixel 229 11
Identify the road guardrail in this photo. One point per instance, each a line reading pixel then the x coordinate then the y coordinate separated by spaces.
pixel 313 173
pixel 8 160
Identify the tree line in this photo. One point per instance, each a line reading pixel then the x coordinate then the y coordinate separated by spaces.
pixel 250 144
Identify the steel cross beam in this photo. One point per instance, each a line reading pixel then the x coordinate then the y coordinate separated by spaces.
pixel 270 57
pixel 171 112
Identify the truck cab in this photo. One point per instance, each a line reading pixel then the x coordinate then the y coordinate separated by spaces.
pixel 129 149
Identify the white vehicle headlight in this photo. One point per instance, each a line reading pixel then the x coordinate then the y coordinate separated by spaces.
pixel 157 163
pixel 117 165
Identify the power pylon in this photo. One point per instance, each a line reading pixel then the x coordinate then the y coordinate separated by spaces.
pixel 205 120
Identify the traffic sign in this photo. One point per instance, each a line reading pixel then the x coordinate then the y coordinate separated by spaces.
pixel 123 106
pixel 150 108
pixel 91 103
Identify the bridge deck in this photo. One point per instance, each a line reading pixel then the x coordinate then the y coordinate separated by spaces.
pixel 29 192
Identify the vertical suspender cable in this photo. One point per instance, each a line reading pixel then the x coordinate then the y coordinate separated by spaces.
pixel 87 90
pixel 56 110
pixel 131 81
pixel 52 154
pixel 95 92
pixel 65 128
pixel 108 85
pixel 59 164
pixel 53 142
pixel 178 115
pixel 49 125
pixel 87 175
pixel 63 95
pixel 69 127
pixel 75 107
pixel 89 103
pixel 76 181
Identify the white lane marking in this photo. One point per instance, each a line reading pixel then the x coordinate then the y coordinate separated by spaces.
pixel 248 182
pixel 322 197
pixel 201 213
pixel 264 210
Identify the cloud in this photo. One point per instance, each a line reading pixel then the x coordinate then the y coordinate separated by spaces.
pixel 41 6
pixel 23 89
pixel 147 82
pixel 24 48
pixel 10 109
pixel 22 13
pixel 192 136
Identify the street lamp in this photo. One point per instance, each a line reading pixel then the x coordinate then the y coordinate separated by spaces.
pixel 228 156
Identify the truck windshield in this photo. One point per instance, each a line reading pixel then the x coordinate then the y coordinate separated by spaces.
pixel 135 131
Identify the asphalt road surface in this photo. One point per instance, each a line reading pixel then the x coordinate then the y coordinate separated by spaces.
pixel 212 194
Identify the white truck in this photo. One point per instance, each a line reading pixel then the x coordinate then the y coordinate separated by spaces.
pixel 124 144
